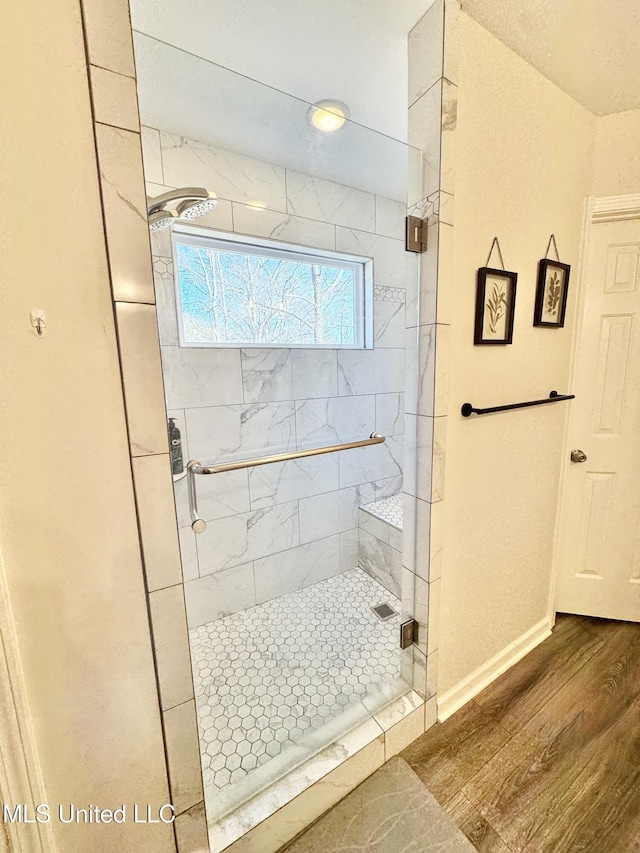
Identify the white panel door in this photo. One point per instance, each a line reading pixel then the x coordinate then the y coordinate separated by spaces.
pixel 599 534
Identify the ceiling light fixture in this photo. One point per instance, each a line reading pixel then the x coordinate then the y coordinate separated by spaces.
pixel 329 115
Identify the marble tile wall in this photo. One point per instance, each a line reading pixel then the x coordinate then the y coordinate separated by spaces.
pixel 380 559
pixel 380 545
pixel 278 528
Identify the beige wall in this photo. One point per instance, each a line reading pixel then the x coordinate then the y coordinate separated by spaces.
pixel 617 154
pixel 523 163
pixel 67 515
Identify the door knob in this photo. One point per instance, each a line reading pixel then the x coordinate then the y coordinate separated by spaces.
pixel 578 456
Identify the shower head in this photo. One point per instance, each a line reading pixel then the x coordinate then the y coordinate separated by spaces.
pixel 161 219
pixel 193 209
pixel 194 202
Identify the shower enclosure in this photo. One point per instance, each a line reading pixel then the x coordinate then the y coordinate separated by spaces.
pixel 290 505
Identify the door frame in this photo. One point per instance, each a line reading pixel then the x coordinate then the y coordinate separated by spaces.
pixel 21 778
pixel 597 209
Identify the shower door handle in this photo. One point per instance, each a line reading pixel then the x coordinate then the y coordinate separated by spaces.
pixel 198 524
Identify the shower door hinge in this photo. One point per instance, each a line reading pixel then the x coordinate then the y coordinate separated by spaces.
pixel 408 633
pixel 416 234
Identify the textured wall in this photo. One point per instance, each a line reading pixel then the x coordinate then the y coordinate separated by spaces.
pixel 523 169
pixel 617 154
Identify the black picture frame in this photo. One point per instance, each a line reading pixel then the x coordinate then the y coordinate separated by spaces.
pixel 495 309
pixel 550 304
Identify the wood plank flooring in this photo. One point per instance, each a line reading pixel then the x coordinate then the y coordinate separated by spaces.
pixel 547 758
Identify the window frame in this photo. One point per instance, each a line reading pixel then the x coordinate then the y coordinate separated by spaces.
pixel 211 238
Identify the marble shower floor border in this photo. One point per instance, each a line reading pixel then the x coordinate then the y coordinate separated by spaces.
pixel 260 808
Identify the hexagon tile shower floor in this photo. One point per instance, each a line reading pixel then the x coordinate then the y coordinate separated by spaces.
pixel 280 681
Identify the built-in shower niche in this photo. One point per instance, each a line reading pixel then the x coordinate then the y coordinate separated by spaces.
pixel 288 653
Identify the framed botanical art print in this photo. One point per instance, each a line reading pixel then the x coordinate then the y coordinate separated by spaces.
pixel 551 294
pixel 495 306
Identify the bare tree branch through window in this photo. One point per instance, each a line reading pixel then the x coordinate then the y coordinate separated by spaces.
pixel 235 297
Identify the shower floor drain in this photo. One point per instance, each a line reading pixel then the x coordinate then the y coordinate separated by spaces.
pixel 384 611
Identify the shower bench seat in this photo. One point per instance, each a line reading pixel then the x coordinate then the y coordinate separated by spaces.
pixel 380 541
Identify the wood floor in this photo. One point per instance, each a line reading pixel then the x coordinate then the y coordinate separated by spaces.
pixel 547 758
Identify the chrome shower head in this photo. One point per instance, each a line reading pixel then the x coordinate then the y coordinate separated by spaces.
pixel 194 202
pixel 161 219
pixel 193 209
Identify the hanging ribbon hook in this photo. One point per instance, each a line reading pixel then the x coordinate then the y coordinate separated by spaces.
pixel 495 243
pixel 552 239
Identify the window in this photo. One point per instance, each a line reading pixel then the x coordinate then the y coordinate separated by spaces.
pixel 239 291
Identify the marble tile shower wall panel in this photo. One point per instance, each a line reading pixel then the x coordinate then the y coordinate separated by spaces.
pixel 286 481
pixel 242 538
pixel 237 432
pixel 390 413
pixel 278 528
pixel 370 371
pixel 390 259
pixel 271 224
pixel 231 176
pixel 359 467
pixel 197 377
pixel 334 420
pixel 381 560
pixel 329 202
pixel 297 568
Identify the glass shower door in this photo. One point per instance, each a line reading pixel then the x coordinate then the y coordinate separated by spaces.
pixel 293 570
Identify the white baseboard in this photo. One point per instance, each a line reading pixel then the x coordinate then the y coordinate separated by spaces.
pixel 452 700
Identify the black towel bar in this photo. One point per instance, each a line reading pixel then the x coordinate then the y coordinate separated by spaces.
pixel 467 409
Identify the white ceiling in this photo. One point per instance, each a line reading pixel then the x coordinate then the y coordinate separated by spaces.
pixel 589 48
pixel 352 50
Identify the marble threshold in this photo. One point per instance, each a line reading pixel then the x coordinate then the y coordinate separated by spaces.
pixel 388 723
